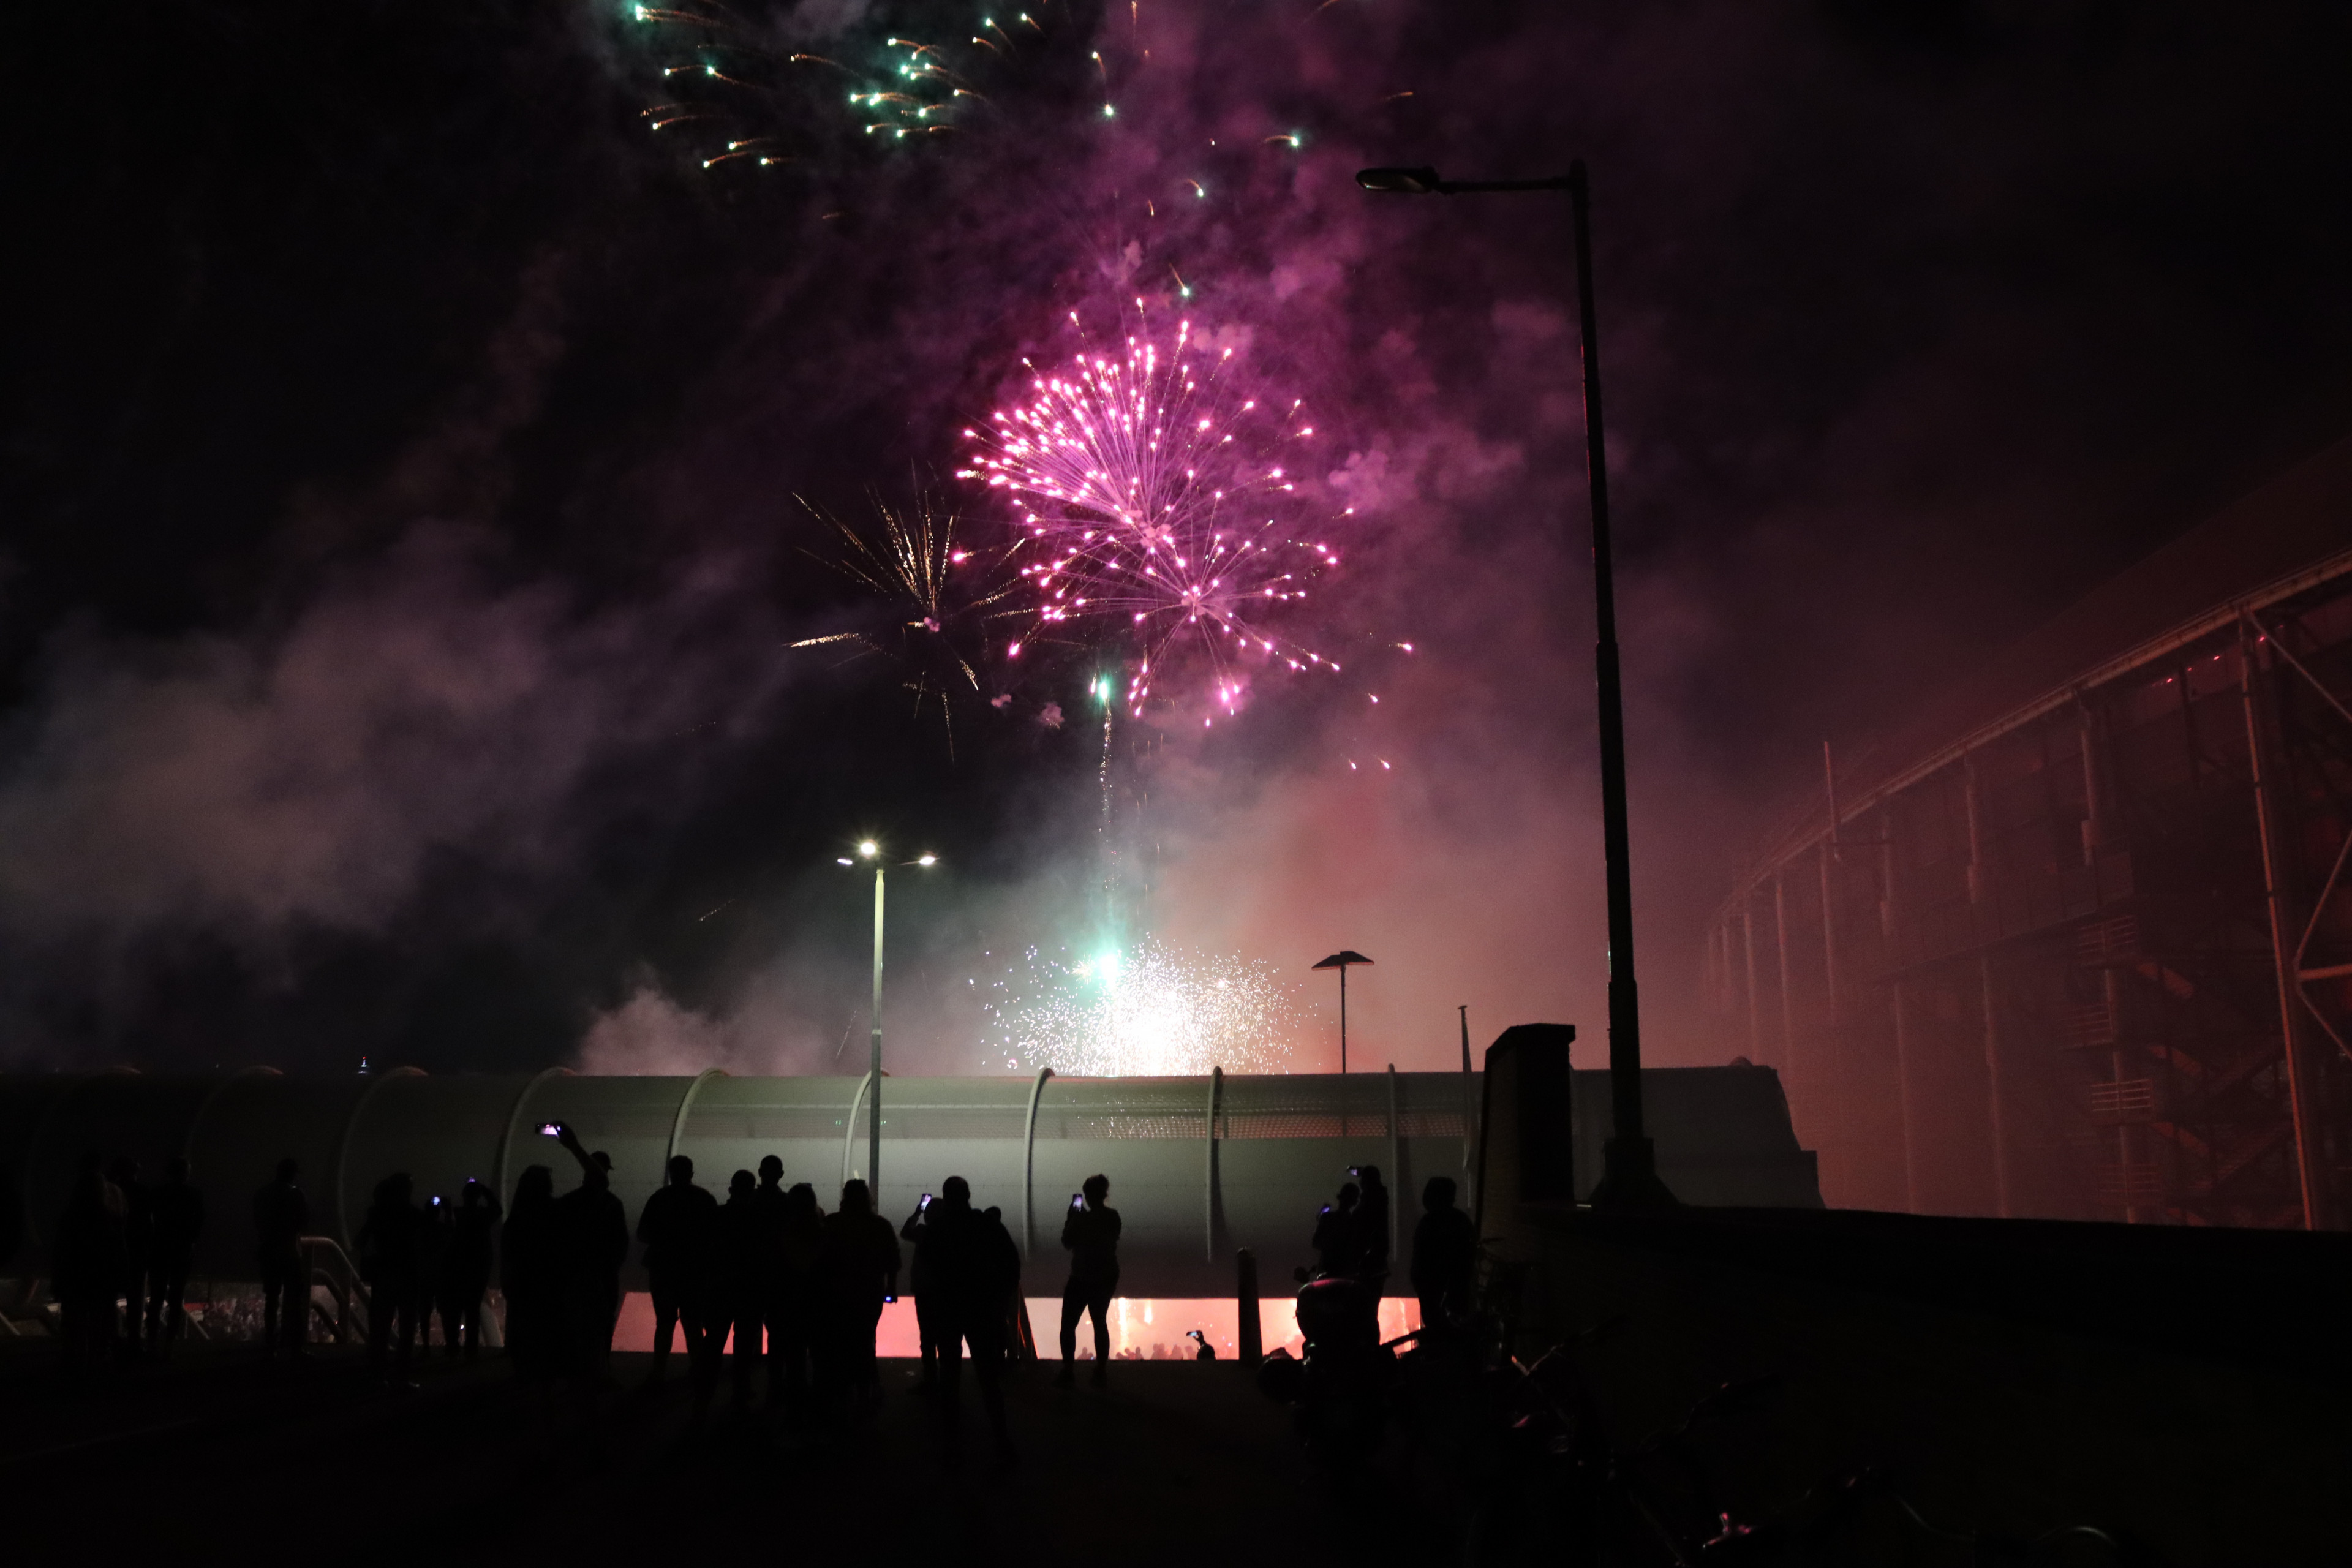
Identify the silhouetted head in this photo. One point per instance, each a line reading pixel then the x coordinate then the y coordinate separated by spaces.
pixel 743 1181
pixel 474 1192
pixel 286 1170
pixel 1370 1176
pixel 1348 1193
pixel 534 1190
pixel 598 1177
pixel 393 1191
pixel 1098 1191
pixel 681 1169
pixel 855 1198
pixel 1437 1193
pixel 801 1199
pixel 175 1171
pixel 772 1170
pixel 955 1193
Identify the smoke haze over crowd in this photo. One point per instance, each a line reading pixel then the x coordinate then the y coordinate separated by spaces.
pixel 403 560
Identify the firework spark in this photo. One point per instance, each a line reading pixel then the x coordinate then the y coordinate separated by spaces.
pixel 1160 504
pixel 943 594
pixel 1149 1011
pixel 871 87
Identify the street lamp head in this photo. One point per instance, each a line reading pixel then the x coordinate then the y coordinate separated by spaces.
pixel 870 849
pixel 928 860
pixel 1420 182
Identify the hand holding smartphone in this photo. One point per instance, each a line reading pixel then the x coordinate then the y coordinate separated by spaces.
pixel 925 1204
pixel 551 1130
pixel 1077 1200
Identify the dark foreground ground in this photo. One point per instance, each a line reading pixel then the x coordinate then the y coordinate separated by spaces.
pixel 218 1456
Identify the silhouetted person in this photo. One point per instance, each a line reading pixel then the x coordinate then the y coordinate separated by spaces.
pixel 531 1279
pixel 860 1261
pixel 390 1243
pixel 465 1270
pixel 282 1218
pixel 1339 1241
pixel 922 1278
pixel 177 1219
pixel 138 1225
pixel 1444 1255
pixel 435 1230
pixel 775 1217
pixel 743 1275
pixel 1371 1224
pixel 676 1227
pixel 1090 1236
pixel 86 1266
pixel 592 1234
pixel 1206 1351
pixel 803 1309
pixel 976 1267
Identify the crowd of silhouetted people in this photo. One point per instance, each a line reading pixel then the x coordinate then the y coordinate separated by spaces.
pixel 795 1289
pixel 121 1241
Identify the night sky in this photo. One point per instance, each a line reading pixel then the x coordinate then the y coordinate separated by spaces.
pixel 401 441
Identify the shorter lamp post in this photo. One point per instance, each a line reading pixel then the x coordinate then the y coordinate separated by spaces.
pixel 869 849
pixel 1340 961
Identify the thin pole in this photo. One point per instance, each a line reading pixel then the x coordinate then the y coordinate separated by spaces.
pixel 2310 1171
pixel 1996 1123
pixel 1343 1020
pixel 1631 1162
pixel 1781 939
pixel 1748 946
pixel 1464 1011
pixel 874 1110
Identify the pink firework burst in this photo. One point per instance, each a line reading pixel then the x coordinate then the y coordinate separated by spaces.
pixel 1158 505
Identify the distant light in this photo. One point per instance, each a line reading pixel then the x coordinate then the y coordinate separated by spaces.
pixel 1108 112
pixel 929 860
pixel 868 848
pixel 848 862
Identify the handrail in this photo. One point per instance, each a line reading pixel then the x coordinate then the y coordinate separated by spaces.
pixel 351 1288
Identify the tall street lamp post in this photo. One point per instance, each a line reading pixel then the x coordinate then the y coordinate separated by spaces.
pixel 869 850
pixel 1629 1178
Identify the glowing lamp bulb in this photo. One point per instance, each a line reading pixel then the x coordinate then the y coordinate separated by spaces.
pixel 868 848
pixel 928 860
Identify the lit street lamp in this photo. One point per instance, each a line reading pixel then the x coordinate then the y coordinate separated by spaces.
pixel 869 850
pixel 1629 1178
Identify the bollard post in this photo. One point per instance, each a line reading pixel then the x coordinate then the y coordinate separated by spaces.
pixel 1249 1344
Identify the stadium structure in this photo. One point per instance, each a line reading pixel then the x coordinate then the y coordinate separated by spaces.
pixel 2076 940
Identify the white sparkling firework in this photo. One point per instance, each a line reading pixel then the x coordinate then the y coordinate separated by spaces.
pixel 1148 1011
